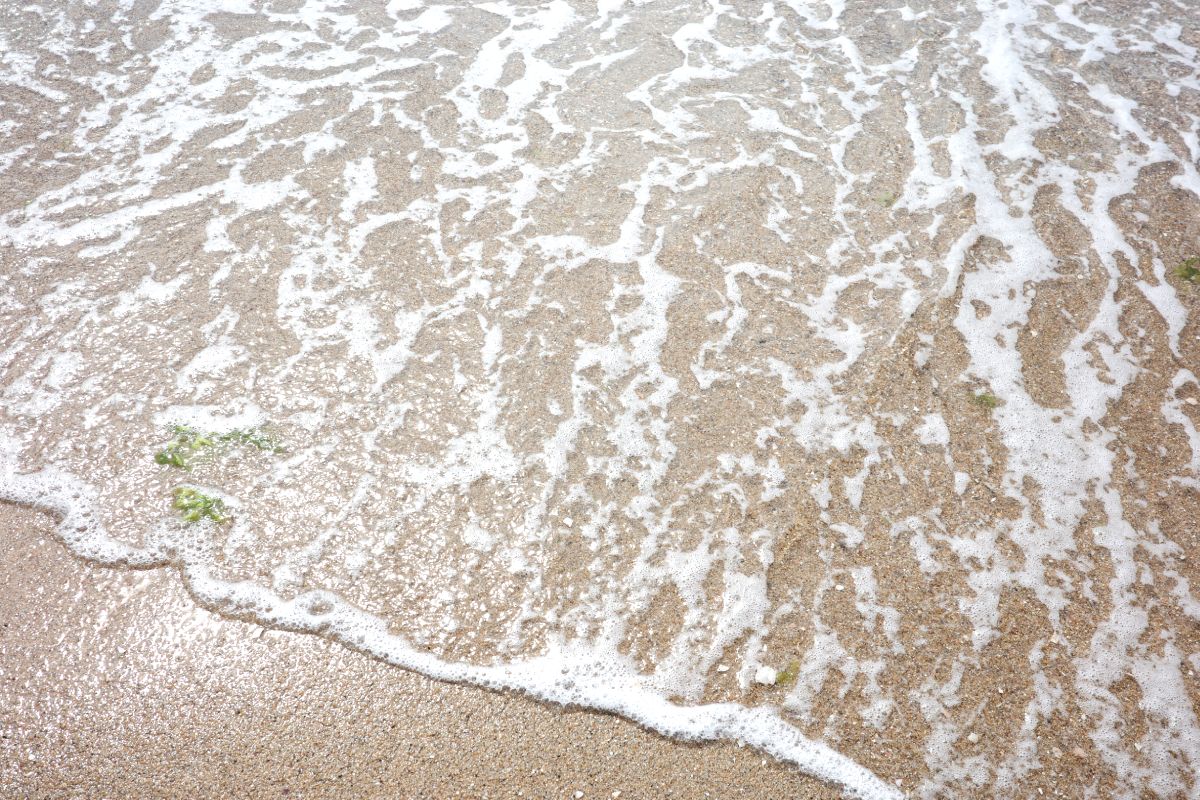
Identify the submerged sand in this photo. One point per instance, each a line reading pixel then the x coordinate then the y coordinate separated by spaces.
pixel 619 355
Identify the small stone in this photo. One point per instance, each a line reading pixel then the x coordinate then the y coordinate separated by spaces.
pixel 616 794
pixel 766 676
pixel 839 587
pixel 973 737
pixel 578 794
pixel 722 668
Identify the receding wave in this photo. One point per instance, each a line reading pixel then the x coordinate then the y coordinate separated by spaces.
pixel 819 375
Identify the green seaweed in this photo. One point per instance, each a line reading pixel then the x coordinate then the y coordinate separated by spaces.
pixel 188 444
pixel 180 451
pixel 789 674
pixel 194 505
pixel 985 400
pixel 253 438
pixel 1189 270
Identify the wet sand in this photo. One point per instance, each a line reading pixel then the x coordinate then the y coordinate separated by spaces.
pixel 896 385
pixel 113 684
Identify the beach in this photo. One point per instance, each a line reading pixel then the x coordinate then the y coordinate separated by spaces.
pixel 115 685
pixel 412 399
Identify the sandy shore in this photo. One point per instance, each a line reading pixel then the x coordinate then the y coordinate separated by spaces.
pixel 819 374
pixel 113 684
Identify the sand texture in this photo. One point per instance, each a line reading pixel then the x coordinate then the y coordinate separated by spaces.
pixel 115 685
pixel 818 376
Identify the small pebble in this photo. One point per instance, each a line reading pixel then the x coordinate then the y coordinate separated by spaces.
pixel 766 676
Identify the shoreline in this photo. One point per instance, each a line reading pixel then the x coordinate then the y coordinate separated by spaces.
pixel 834 369
pixel 120 686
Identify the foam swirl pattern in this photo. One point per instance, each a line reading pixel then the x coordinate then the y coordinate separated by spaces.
pixel 624 353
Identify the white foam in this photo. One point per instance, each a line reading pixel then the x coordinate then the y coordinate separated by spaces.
pixel 663 114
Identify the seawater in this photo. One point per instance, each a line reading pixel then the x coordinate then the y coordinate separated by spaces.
pixel 807 374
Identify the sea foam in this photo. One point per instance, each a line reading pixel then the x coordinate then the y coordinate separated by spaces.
pixel 621 356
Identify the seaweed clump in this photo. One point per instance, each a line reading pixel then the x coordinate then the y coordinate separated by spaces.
pixel 789 674
pixel 985 400
pixel 188 444
pixel 194 505
pixel 1189 270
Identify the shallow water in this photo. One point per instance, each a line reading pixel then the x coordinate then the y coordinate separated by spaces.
pixel 626 354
